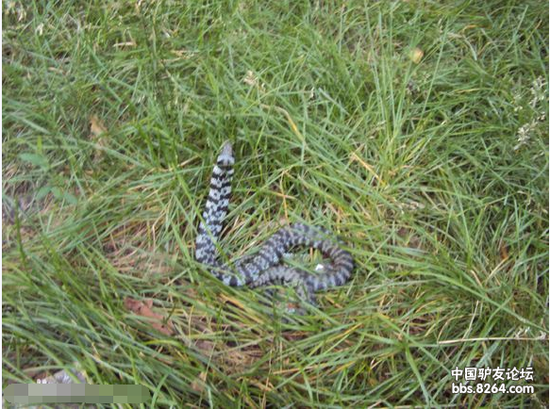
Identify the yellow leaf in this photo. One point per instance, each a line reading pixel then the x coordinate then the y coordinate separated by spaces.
pixel 198 384
pixel 96 126
pixel 416 55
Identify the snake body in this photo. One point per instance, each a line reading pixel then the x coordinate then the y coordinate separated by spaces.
pixel 267 266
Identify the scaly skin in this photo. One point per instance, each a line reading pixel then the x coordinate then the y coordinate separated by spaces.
pixel 266 267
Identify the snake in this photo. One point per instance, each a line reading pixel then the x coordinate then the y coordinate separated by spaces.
pixel 268 266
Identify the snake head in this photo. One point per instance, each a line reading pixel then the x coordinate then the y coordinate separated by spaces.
pixel 226 155
pixel 227 149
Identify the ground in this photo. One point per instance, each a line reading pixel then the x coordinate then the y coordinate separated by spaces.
pixel 417 131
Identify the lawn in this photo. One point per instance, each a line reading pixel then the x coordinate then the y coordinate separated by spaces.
pixel 416 131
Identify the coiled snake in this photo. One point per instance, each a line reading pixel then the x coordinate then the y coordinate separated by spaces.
pixel 267 266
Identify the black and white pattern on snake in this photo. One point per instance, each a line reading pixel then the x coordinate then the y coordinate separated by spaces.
pixel 267 267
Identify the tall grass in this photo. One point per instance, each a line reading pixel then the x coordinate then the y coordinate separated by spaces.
pixel 416 131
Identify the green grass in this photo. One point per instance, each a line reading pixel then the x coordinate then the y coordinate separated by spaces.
pixel 435 174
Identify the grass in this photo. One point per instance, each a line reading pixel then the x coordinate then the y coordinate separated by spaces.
pixel 434 171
